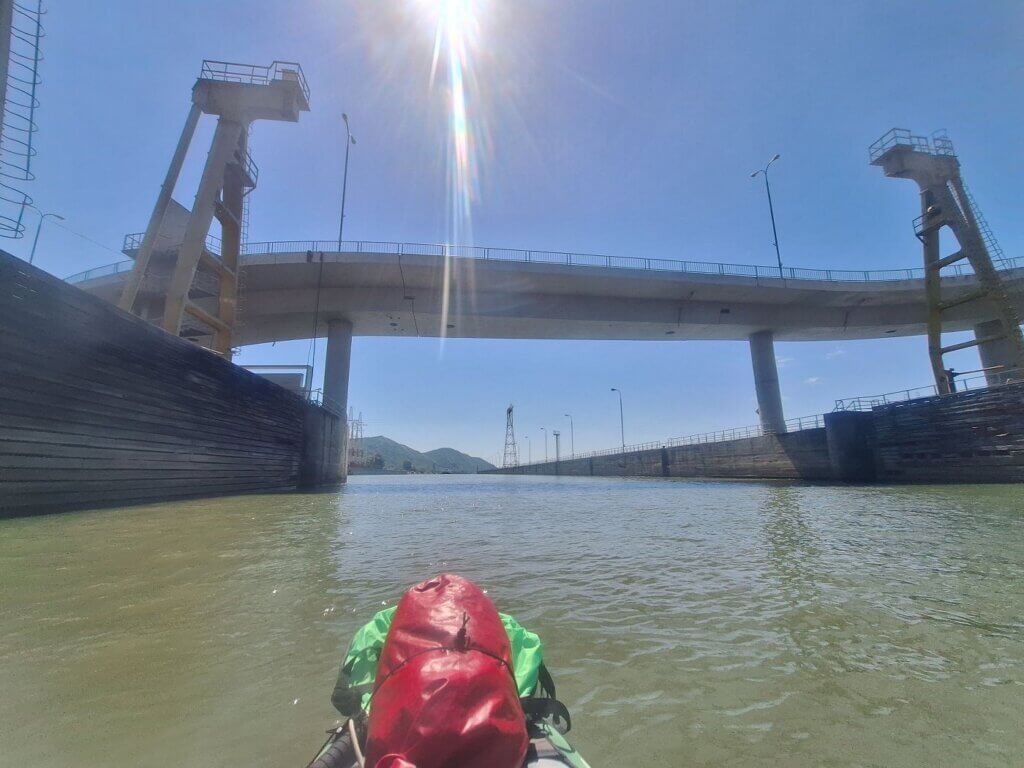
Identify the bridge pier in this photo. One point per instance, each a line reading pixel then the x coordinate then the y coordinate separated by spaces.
pixel 336 370
pixel 766 381
pixel 997 352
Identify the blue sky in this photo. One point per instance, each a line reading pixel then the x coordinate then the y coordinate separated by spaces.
pixel 606 127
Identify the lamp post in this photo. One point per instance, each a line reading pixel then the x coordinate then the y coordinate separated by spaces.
pixel 544 430
pixel 349 141
pixel 622 423
pixel 771 209
pixel 529 449
pixel 35 241
pixel 572 435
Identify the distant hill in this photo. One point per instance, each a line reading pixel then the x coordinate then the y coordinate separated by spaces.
pixel 438 460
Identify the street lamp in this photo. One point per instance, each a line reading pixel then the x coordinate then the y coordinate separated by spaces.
pixel 349 141
pixel 529 449
pixel 572 435
pixel 35 242
pixel 542 429
pixel 622 423
pixel 771 209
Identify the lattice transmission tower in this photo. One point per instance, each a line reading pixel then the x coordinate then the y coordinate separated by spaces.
pixel 511 458
pixel 355 438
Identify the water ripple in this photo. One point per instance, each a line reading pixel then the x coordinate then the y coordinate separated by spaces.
pixel 685 622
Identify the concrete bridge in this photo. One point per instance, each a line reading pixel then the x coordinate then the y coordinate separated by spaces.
pixel 222 293
pixel 395 289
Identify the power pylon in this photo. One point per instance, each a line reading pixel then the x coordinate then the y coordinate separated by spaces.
pixel 355 438
pixel 511 458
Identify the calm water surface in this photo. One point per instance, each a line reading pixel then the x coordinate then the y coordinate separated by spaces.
pixel 686 623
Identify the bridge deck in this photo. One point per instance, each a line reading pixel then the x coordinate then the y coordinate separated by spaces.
pixel 400 289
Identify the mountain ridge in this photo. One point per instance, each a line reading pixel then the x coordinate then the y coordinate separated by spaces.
pixel 394 456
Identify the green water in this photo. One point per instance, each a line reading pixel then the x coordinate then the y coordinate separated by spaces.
pixel 686 623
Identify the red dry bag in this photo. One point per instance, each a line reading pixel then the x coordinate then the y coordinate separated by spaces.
pixel 445 695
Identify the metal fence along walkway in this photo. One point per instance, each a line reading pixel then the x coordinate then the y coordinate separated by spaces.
pixel 738 433
pixel 797 424
pixel 293 252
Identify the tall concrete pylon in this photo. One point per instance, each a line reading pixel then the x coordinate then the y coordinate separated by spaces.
pixel 337 365
pixel 169 288
pixel 946 202
pixel 766 382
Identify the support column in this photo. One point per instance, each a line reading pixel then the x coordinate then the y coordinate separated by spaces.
pixel 998 352
pixel 233 199
pixel 933 292
pixel 225 140
pixel 336 370
pixel 766 381
pixel 156 218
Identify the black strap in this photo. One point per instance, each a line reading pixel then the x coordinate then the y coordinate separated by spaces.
pixel 348 699
pixel 540 709
pixel 546 683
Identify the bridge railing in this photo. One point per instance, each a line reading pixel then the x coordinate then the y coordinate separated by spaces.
pixel 104 271
pixel 294 251
pixel 132 242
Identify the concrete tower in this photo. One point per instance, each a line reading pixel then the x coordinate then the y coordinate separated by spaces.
pixel 946 202
pixel 179 280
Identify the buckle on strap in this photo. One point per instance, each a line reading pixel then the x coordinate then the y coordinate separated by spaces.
pixel 540 709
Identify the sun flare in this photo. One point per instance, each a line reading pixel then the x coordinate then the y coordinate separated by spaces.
pixel 456 30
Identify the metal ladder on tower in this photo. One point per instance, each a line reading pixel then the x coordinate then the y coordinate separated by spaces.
pixel 244 237
pixel 994 249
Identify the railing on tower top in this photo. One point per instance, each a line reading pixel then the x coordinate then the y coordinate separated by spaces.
pixel 253 74
pixel 938 144
pixel 294 251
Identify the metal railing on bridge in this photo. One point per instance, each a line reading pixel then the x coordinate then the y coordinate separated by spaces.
pixel 294 251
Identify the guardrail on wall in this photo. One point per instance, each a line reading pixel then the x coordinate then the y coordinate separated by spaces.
pixel 792 425
pixel 755 430
pixel 963 384
pixel 293 251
